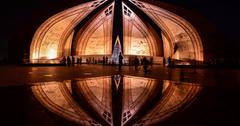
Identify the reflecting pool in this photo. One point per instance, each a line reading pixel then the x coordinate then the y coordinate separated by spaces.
pixel 116 100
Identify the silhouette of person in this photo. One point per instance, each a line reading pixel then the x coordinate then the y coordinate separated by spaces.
pixel 106 60
pixel 136 63
pixel 68 61
pixel 63 61
pixel 103 60
pixel 80 60
pixel 73 60
pixel 145 65
pixel 120 58
pixel 169 61
pixel 164 61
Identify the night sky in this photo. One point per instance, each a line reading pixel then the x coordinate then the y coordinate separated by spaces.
pixel 15 14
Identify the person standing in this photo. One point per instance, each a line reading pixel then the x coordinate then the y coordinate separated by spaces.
pixel 80 60
pixel 68 61
pixel 164 61
pixel 73 60
pixel 106 60
pixel 151 61
pixel 103 61
pixel 120 63
pixel 136 63
pixel 145 65
pixel 169 61
pixel 63 61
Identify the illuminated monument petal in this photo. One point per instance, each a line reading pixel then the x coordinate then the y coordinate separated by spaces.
pixel 176 31
pixel 96 37
pixel 49 40
pixel 138 39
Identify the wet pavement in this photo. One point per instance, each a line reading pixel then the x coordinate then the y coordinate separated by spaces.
pixel 24 92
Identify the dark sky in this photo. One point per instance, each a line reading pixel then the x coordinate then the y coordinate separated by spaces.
pixel 224 14
pixel 14 13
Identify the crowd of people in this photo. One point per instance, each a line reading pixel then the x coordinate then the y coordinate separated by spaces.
pixel 138 62
pixel 68 60
pixel 141 62
pixel 71 60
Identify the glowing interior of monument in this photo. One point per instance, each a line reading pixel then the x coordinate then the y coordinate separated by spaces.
pixel 96 39
pixel 177 32
pixel 137 37
pixel 54 32
pixel 54 37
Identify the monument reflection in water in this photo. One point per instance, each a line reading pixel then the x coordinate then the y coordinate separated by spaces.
pixel 115 100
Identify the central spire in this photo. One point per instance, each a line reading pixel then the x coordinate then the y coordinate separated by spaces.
pixel 116 51
pixel 117 24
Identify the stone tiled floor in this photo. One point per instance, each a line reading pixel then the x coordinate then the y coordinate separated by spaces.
pixel 217 104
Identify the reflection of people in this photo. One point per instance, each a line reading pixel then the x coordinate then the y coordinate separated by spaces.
pixel 120 58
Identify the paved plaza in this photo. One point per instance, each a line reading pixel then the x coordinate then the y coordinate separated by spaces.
pixel 216 102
